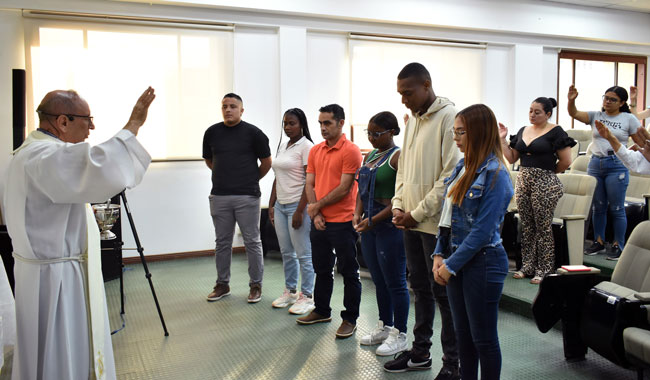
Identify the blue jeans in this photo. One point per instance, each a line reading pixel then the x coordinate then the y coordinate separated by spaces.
pixel 383 251
pixel 295 247
pixel 474 295
pixel 613 179
pixel 336 244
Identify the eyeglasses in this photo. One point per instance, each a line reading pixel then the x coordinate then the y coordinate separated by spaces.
pixel 611 100
pixel 377 134
pixel 71 116
pixel 458 133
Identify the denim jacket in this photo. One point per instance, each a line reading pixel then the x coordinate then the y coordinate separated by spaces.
pixel 475 224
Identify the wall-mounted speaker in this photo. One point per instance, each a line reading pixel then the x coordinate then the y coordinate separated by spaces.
pixel 19 112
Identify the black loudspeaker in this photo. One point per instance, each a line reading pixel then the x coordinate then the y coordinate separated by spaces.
pixel 18 102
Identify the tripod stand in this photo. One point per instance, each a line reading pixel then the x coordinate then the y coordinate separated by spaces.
pixel 144 264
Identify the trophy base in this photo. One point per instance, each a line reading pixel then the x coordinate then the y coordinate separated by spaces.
pixel 107 235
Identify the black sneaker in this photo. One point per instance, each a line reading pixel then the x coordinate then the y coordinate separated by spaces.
pixel 595 249
pixel 615 254
pixel 448 373
pixel 408 361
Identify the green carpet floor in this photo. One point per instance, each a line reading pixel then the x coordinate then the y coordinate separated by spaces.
pixel 231 339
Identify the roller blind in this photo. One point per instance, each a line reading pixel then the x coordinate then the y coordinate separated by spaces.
pixel 111 64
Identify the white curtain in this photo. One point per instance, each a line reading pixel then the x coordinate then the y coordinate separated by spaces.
pixel 456 73
pixel 111 64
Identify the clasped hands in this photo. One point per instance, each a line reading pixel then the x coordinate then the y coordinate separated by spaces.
pixel 403 220
pixel 441 274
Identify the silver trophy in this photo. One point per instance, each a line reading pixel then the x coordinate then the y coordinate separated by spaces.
pixel 106 215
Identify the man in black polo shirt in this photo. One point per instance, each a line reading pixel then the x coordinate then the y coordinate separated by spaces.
pixel 231 150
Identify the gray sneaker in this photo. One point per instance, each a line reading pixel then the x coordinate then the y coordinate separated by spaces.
pixel 595 249
pixel 615 253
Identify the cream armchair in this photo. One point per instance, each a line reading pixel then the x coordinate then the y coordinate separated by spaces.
pixel 572 211
pixel 614 306
pixel 636 342
pixel 583 137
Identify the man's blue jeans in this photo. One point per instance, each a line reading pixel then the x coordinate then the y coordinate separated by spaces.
pixel 613 179
pixel 474 295
pixel 383 252
pixel 295 247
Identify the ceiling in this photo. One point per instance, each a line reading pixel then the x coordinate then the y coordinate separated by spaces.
pixel 626 5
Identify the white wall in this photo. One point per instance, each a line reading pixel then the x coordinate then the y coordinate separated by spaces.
pixel 292 53
pixel 12 56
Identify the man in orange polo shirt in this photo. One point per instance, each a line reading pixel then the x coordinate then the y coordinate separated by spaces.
pixel 331 193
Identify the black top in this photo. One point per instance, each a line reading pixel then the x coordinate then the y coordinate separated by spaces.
pixel 541 151
pixel 234 152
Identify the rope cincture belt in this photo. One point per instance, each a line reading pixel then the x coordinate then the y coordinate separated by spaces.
pixel 79 258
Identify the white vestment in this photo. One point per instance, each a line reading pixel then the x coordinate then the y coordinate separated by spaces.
pixel 48 186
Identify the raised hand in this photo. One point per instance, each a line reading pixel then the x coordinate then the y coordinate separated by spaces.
pixel 503 132
pixel 633 94
pixel 573 93
pixel 140 111
pixel 603 130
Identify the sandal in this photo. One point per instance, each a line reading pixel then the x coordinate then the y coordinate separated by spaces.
pixel 536 280
pixel 519 275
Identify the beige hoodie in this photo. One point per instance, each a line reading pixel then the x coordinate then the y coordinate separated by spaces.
pixel 428 156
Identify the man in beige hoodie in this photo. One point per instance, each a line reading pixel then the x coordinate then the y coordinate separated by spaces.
pixel 429 155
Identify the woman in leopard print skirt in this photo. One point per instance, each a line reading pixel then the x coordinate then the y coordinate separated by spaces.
pixel 544 149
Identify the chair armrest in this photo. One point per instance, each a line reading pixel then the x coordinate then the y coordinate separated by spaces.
pixel 572 217
pixel 644 296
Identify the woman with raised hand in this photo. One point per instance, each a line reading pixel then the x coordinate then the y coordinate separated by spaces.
pixel 288 213
pixel 382 243
pixel 643 114
pixel 612 176
pixel 477 196
pixel 544 149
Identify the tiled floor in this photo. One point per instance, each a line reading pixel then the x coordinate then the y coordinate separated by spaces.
pixel 231 339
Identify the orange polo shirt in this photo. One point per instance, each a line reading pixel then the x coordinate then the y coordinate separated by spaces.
pixel 327 164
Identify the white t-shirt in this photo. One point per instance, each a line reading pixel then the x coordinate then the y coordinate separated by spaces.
pixel 621 126
pixel 445 214
pixel 289 169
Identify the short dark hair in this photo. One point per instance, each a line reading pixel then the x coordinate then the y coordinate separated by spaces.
pixel 415 69
pixel 336 111
pixel 234 96
pixel 385 120
pixel 547 103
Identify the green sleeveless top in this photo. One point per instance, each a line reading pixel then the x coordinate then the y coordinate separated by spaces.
pixel 385 176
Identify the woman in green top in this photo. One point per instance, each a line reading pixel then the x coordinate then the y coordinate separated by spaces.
pixel 381 242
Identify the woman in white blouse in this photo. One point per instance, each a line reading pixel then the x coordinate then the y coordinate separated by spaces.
pixel 288 213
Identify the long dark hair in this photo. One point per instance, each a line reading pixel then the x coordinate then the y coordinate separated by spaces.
pixel 482 140
pixel 622 93
pixel 302 119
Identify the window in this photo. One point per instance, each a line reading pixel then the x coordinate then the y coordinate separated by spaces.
pixel 110 65
pixel 456 73
pixel 592 74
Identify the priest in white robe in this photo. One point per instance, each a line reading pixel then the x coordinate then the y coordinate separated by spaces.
pixel 61 318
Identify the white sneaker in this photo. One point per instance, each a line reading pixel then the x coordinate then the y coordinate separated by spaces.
pixel 376 336
pixel 303 305
pixel 287 298
pixel 396 342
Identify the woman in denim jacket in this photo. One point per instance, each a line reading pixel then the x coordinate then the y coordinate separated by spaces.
pixel 469 257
